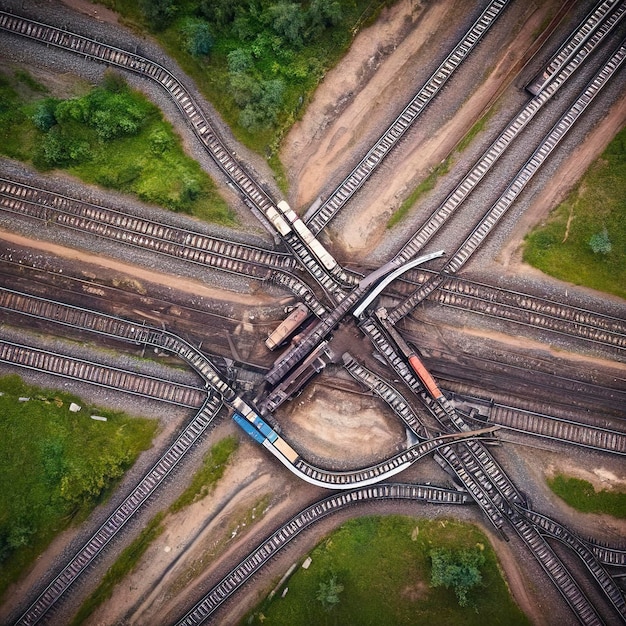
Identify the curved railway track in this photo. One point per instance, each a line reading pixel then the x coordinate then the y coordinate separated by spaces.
pixel 251 564
pixel 321 216
pixel 123 513
pixel 254 195
pixel 114 327
pixel 486 225
pixel 101 375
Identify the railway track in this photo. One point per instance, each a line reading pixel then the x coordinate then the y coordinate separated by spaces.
pixel 558 429
pixel 486 225
pixel 193 247
pixel 251 564
pixel 330 278
pixel 526 309
pixel 114 327
pixel 101 375
pixel 491 489
pixel 146 487
pixel 593 31
pixel 321 216
pixel 52 208
pixel 605 581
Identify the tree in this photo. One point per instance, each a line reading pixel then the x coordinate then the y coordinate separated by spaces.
pixel 287 20
pixel 328 593
pixel 196 37
pixel 158 13
pixel 458 569
pixel 600 242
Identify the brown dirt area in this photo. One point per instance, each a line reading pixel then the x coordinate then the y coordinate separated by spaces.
pixel 380 59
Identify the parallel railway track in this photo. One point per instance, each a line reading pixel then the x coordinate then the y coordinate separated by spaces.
pixel 366 167
pixel 526 309
pixel 489 221
pixel 593 30
pixel 101 375
pixel 114 327
pixel 253 194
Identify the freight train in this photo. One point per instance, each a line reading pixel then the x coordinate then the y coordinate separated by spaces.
pixel 252 423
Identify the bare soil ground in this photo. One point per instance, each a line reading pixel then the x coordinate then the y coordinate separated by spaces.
pixel 348 105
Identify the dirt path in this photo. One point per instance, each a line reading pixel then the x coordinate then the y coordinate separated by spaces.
pixel 352 103
pixel 168 280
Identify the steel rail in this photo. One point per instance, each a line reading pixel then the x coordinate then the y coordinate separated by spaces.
pixel 85 556
pixel 493 216
pixel 106 376
pixel 252 564
pixel 321 216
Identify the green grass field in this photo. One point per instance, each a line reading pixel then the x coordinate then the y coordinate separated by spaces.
pixel 581 495
pixel 109 136
pixel 383 565
pixel 56 466
pixel 595 210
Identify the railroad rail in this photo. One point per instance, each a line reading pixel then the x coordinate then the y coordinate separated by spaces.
pixel 123 513
pixel 252 563
pixel 486 225
pixel 558 429
pixel 525 309
pixel 141 232
pixel 114 327
pixel 493 153
pixel 569 48
pixel 389 394
pixel 101 375
pixel 330 277
pixel 489 486
pixel 556 571
pixel 321 216
pixel 605 581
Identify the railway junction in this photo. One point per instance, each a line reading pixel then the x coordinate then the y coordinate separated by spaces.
pixel 375 337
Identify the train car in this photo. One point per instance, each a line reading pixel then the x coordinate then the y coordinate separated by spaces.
pixel 264 428
pixel 424 375
pixel 245 425
pixel 288 326
pixel 327 260
pixel 278 221
pixel 286 450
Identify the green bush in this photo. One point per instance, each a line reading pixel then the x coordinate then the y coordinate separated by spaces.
pixel 114 137
pixel 581 495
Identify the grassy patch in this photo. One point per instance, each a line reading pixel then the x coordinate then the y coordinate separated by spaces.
pixel 55 466
pixel 206 477
pixel 383 565
pixel 563 246
pixel 122 566
pixel 111 136
pixel 581 495
pixel 282 51
pixel 212 470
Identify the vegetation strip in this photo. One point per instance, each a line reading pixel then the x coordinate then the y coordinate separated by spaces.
pixel 583 240
pixel 581 495
pixel 110 136
pixel 57 464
